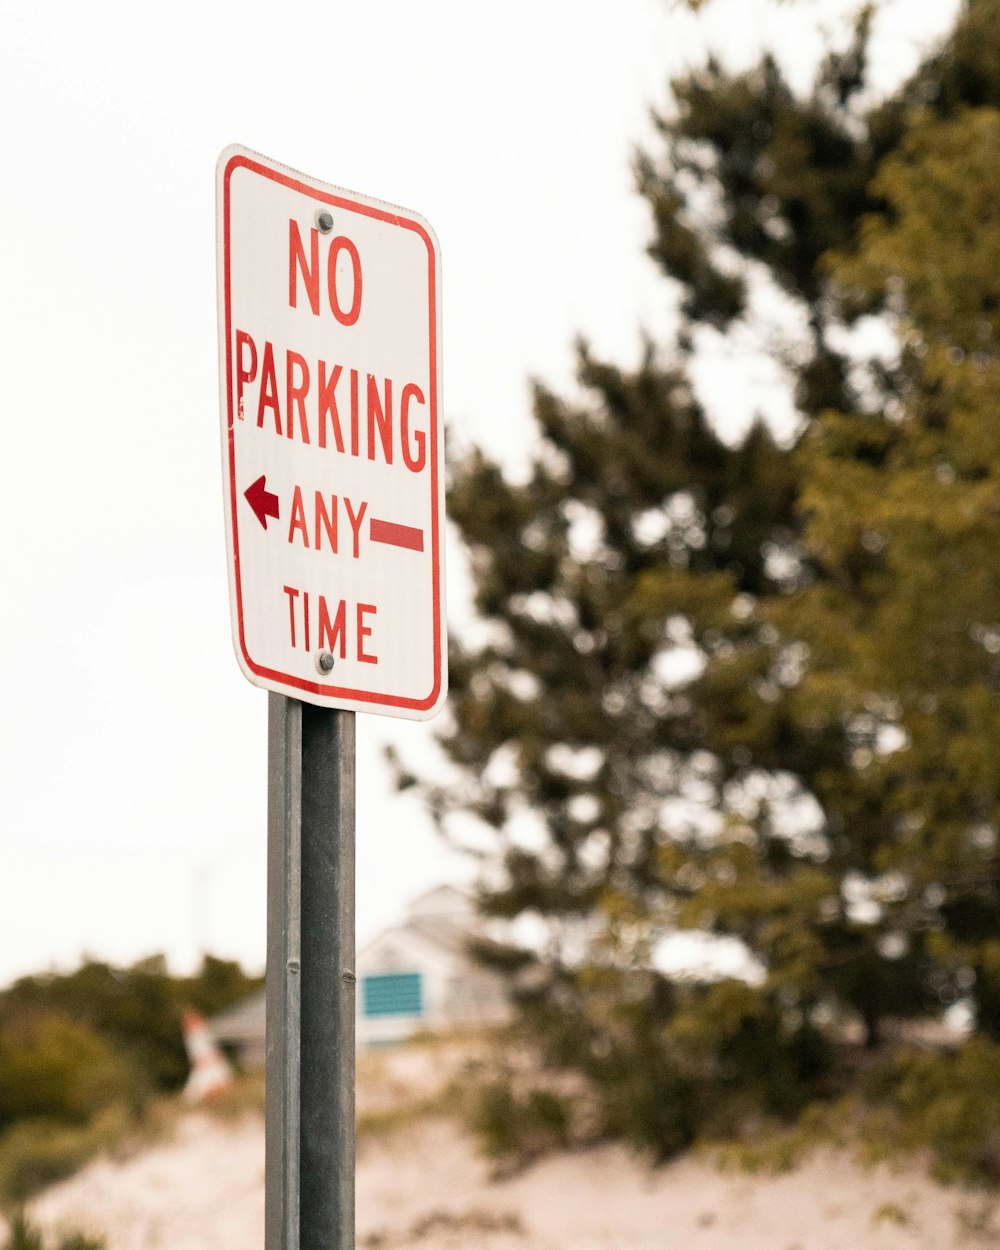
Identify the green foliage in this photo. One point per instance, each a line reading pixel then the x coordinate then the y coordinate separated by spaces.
pixel 136 1011
pixel 921 565
pixel 950 1103
pixel 37 1153
pixel 52 1067
pixel 24 1236
pixel 694 1065
pixel 514 1127
pixel 977 1222
pixel 890 1213
pixel 82 1054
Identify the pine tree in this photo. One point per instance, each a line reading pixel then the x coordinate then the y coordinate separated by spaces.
pixel 903 509
pixel 736 689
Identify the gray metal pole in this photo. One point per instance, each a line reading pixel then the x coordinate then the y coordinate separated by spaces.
pixel 309 1164
pixel 284 934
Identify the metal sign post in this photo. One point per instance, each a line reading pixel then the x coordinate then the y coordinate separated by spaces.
pixel 333 477
pixel 309 1165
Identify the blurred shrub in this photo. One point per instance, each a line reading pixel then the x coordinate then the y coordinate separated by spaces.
pixel 513 1126
pixel 665 1066
pixel 136 1011
pixel 36 1153
pixel 23 1236
pixel 83 1054
pixel 941 1105
pixel 56 1068
pixel 729 1072
pixel 949 1104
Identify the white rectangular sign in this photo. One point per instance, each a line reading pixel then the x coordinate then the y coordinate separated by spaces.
pixel 333 450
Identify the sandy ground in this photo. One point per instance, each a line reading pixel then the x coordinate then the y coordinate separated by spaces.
pixel 425 1187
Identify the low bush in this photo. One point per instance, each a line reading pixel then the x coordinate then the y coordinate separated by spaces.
pixel 24 1236
pixel 947 1103
pixel 55 1068
pixel 36 1153
pixel 136 1011
pixel 668 1092
pixel 86 1055
pixel 515 1126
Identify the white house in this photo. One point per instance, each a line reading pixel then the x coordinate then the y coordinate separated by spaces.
pixel 419 974
pixel 415 976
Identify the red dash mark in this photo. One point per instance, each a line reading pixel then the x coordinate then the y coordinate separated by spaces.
pixel 396 535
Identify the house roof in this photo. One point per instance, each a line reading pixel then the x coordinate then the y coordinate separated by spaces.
pixel 441 900
pixel 444 917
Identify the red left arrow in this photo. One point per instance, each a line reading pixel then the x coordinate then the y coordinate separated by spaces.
pixel 261 500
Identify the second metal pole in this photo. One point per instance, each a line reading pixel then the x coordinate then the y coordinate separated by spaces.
pixel 310 978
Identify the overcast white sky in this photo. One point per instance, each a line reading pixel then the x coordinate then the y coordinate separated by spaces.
pixel 132 751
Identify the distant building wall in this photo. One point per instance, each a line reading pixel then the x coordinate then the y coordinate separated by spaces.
pixel 447 989
pixel 416 976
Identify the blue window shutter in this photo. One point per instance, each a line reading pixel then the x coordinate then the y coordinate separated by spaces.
pixel 392 994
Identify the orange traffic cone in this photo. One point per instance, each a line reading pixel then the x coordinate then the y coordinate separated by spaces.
pixel 210 1070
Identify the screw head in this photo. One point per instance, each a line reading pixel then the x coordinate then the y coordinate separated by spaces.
pixel 324 221
pixel 324 661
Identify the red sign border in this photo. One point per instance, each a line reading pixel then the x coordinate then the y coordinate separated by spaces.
pixel 395 218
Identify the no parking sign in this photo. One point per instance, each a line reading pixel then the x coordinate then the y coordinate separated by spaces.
pixel 330 368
